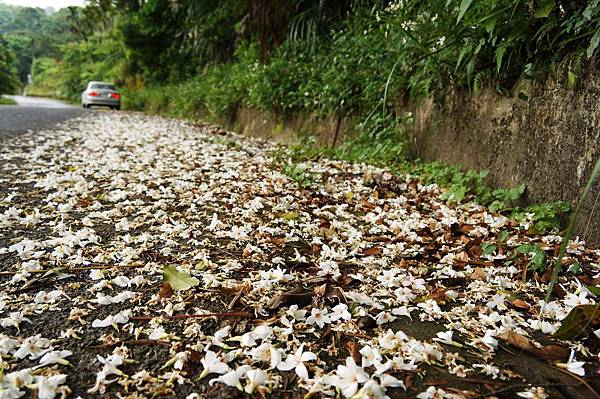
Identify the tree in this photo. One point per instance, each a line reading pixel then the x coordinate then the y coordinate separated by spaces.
pixel 8 71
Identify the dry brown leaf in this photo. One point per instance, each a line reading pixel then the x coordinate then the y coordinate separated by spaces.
pixel 326 233
pixel 278 241
pixel 83 203
pixel 521 304
pixel 366 204
pixel 228 291
pixel 372 251
pixel 461 257
pixel 320 290
pixel 466 228
pixel 478 274
pixel 353 349
pixel 297 296
pixel 377 239
pixel 551 352
pixel 166 291
pixel 475 251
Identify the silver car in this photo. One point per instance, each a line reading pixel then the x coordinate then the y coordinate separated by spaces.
pixel 102 94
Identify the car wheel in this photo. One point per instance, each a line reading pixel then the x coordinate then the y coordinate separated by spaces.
pixel 118 107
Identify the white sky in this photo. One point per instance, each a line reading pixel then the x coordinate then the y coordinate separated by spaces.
pixel 44 3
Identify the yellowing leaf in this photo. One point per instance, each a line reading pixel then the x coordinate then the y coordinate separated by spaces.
pixel 179 281
pixel 290 216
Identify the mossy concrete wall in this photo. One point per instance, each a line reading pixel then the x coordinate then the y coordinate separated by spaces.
pixel 290 128
pixel 548 138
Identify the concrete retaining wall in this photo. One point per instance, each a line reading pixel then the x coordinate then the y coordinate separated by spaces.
pixel 550 141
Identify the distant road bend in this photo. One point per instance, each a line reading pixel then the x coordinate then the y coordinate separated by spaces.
pixel 33 113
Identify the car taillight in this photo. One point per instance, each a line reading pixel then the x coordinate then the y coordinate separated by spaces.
pixel 93 94
pixel 116 96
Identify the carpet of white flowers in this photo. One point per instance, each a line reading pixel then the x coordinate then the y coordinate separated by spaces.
pixel 143 257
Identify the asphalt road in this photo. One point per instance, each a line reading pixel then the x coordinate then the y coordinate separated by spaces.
pixel 32 113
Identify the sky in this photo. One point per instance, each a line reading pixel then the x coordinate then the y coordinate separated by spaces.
pixel 44 3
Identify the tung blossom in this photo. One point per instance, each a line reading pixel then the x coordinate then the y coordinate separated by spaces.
pixel 14 319
pixel 256 378
pixel 232 377
pixel 349 376
pixel 55 357
pixel 212 365
pixel 120 318
pixel 318 317
pixel 49 387
pixel 573 366
pixel 296 362
pixel 267 353
pixel 340 312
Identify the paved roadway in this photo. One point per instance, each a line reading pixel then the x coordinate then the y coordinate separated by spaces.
pixel 33 113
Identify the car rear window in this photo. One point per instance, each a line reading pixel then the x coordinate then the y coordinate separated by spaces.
pixel 100 86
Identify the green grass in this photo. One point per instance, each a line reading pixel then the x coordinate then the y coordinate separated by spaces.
pixel 7 101
pixel 38 91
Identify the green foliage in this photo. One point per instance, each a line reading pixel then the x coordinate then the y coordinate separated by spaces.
pixel 545 217
pixel 98 58
pixel 298 174
pixel 580 321
pixel 46 78
pixel 8 70
pixel 7 101
pixel 32 33
pixel 378 52
pixel 536 255
pixel 178 280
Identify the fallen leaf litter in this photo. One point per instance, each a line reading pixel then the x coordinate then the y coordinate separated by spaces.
pixel 144 257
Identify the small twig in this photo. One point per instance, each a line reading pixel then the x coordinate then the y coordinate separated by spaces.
pixel 514 386
pixel 236 298
pixel 504 348
pixel 588 386
pixel 365 336
pixel 590 218
pixel 193 316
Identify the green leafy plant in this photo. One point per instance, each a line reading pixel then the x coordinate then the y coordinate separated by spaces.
pixel 298 174
pixel 537 256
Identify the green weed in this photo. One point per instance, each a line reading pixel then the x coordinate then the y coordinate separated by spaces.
pixel 298 174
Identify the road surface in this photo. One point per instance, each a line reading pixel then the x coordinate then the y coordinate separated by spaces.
pixel 33 113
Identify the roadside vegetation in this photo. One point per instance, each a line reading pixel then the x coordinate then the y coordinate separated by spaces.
pixel 7 101
pixel 31 41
